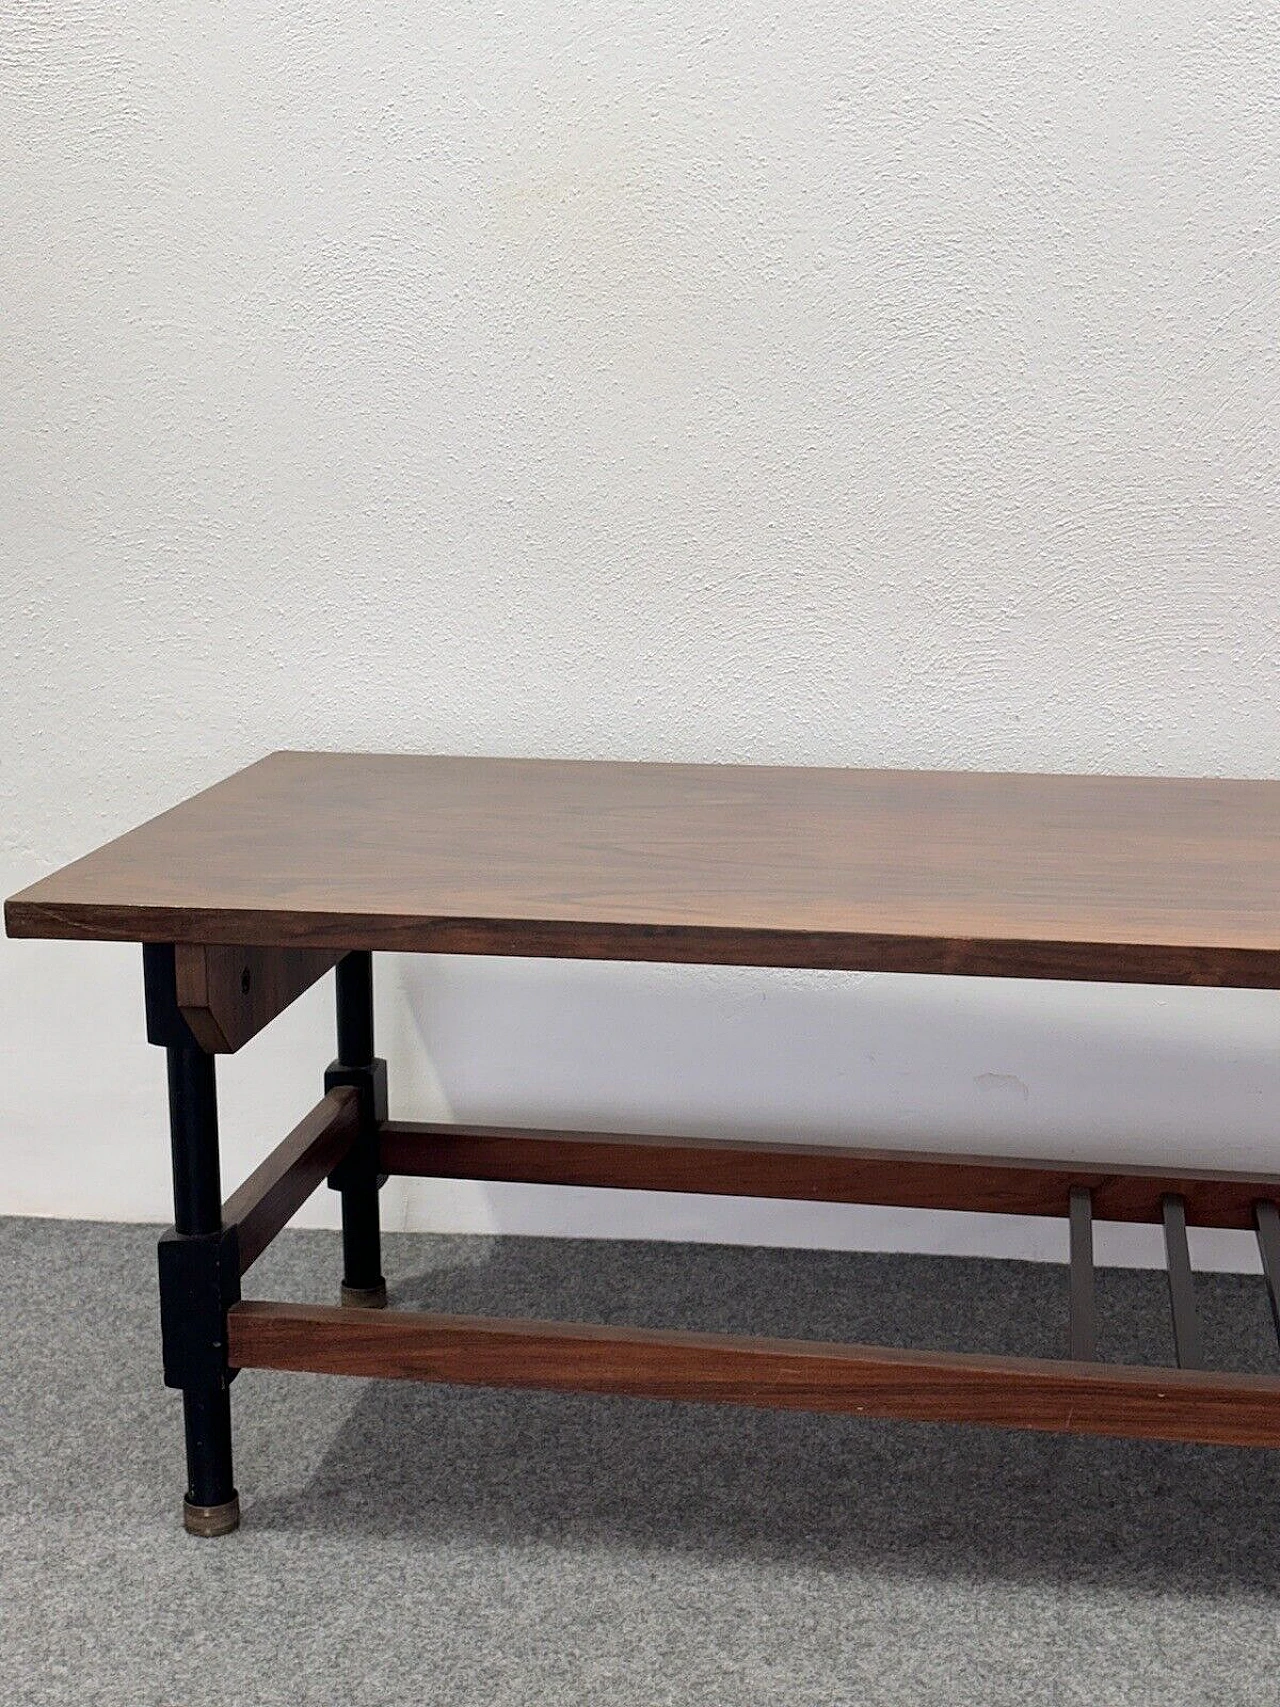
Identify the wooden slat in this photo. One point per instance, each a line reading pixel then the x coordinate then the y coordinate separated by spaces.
pixel 1083 1330
pixel 278 1188
pixel 1062 1397
pixel 1182 1297
pixel 1267 1221
pixel 817 1172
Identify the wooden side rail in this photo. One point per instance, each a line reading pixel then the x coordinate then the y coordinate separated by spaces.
pixel 278 1188
pixel 1020 1392
pixel 820 1173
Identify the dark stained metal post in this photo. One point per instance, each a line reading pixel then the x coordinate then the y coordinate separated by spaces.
pixel 354 977
pixel 192 1294
pixel 199 1269
pixel 1083 1340
pixel 1182 1298
pixel 1266 1218
pixel 357 1176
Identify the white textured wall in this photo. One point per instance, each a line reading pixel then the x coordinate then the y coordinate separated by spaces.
pixel 851 384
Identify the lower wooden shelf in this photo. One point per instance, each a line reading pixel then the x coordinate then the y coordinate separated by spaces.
pixel 1066 1397
pixel 1073 1395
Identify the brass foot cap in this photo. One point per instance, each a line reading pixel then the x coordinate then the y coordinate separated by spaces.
pixel 211 1519
pixel 366 1297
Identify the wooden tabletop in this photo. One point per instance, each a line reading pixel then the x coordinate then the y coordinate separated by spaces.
pixel 1155 880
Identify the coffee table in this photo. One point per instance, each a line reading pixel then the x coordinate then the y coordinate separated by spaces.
pixel 246 894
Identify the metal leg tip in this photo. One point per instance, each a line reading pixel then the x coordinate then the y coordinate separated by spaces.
pixel 365 1297
pixel 211 1519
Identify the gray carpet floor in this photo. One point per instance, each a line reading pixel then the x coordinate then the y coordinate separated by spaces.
pixel 431 1545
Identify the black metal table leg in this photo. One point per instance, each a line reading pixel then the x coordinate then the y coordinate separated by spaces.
pixel 357 1177
pixel 199 1277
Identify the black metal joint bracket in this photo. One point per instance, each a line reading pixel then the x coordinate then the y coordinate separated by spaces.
pixel 371 1089
pixel 199 1282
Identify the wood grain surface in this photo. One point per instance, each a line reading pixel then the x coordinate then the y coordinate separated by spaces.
pixel 816 1173
pixel 1157 880
pixel 279 1186
pixel 228 994
pixel 877 1381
